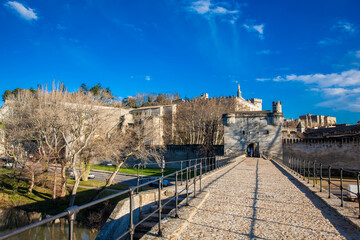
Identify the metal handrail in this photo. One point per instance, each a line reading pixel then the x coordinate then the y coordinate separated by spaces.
pixel 301 169
pixel 178 161
pixel 72 211
pixel 141 166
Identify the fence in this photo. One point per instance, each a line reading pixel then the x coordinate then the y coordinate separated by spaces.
pixel 208 162
pixel 200 167
pixel 312 170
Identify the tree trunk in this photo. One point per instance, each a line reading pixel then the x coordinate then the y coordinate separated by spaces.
pixel 86 172
pixel 113 175
pixel 75 187
pixel 55 183
pixel 109 181
pixel 63 181
pixel 32 180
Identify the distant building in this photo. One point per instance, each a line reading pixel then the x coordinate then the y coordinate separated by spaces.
pixel 317 121
pixel 240 104
pixel 157 119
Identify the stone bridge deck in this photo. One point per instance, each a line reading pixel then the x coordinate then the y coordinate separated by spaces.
pixel 257 200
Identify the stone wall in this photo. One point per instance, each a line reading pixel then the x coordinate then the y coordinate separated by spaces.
pixel 262 129
pixel 2 143
pixel 342 152
pixel 176 153
pixel 118 222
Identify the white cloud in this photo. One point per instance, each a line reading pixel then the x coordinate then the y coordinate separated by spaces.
pixel 329 41
pixel 267 52
pixel 259 28
pixel 60 27
pixel 341 90
pixel 147 78
pixel 24 12
pixel 263 79
pixel 357 54
pixel 255 28
pixel 345 26
pixel 345 79
pixel 206 7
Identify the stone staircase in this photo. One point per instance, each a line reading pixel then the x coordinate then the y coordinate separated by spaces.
pixel 153 220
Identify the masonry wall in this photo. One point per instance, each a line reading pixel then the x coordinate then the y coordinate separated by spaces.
pixel 341 152
pixel 261 128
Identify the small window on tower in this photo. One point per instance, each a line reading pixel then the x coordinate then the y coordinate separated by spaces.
pixel 243 132
pixel 266 132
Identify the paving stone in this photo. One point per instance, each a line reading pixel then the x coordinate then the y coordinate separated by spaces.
pixel 255 200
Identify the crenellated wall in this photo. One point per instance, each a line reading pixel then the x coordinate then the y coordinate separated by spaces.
pixel 342 152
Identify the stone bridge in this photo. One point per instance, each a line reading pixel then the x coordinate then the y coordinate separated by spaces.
pixel 254 198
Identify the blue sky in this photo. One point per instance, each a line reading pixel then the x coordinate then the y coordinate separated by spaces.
pixel 303 53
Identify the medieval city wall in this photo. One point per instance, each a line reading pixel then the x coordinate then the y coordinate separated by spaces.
pixel 343 152
pixel 262 129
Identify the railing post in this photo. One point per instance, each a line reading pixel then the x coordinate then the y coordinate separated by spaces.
pixel 206 161
pixel 358 188
pixel 138 177
pixel 304 167
pixel 131 225
pixel 72 211
pixel 314 172
pixel 181 172
pixel 176 195
pixel 160 208
pixel 297 166
pixel 195 180
pixel 329 169
pixel 308 171
pixel 200 177
pixel 190 166
pixel 320 177
pixel 162 171
pixel 341 186
pixel 187 186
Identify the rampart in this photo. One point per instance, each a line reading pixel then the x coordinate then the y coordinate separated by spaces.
pixel 341 151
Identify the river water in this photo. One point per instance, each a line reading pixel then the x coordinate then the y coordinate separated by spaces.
pixel 54 232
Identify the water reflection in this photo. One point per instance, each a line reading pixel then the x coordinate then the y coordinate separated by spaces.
pixel 55 232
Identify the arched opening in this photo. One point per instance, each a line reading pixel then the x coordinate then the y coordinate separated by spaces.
pixel 252 150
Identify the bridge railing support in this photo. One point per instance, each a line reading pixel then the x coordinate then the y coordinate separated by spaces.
pixel 302 169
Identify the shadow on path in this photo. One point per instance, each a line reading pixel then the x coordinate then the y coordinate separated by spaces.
pixel 334 218
pixel 253 218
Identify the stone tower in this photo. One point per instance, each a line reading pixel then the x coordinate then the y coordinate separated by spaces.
pixel 239 92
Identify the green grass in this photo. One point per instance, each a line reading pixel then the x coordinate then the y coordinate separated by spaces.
pixel 13 193
pixel 145 171
pixel 6 171
pixel 88 183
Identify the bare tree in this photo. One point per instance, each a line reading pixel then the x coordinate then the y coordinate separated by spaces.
pixel 200 122
pixel 132 141
pixel 81 121
pixel 22 133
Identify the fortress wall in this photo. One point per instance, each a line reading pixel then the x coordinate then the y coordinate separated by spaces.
pixel 344 153
pixel 260 128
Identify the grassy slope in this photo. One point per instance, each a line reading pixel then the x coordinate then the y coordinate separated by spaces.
pixel 13 193
pixel 146 171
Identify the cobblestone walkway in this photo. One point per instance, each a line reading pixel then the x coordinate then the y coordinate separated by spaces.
pixel 257 200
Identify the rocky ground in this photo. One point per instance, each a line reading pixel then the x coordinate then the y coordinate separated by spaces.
pixel 257 200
